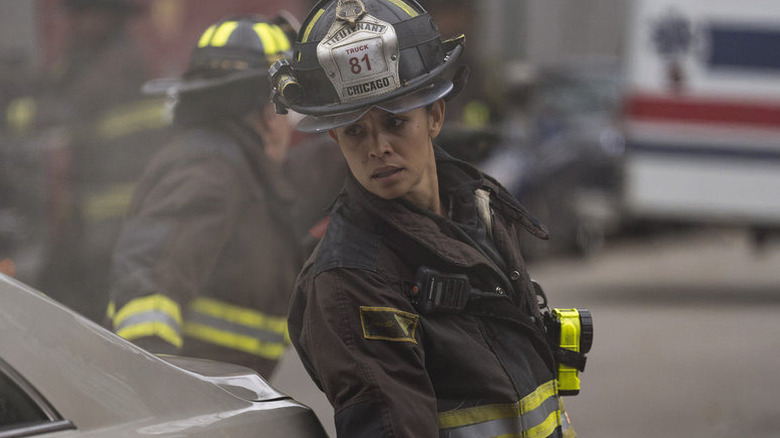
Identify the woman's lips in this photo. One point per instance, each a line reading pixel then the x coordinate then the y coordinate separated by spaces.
pixel 384 172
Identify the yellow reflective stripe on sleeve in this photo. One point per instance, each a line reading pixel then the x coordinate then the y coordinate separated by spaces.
pixel 536 398
pixel 404 7
pixel 237 328
pixel 206 37
pixel 136 117
pixel 151 328
pixel 109 203
pixel 477 414
pixel 263 31
pixel 20 114
pixel 111 310
pixel 239 315
pixel 536 415
pixel 222 34
pixel 546 428
pixel 311 25
pixel 247 344
pixel 149 303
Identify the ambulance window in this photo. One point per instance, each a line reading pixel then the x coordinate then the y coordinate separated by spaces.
pixel 753 48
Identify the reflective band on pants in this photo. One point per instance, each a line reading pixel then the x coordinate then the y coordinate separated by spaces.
pixel 535 416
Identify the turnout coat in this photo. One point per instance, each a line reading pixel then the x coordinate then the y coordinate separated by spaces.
pixel 207 257
pixel 391 370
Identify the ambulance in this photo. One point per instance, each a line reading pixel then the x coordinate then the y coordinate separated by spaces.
pixel 702 112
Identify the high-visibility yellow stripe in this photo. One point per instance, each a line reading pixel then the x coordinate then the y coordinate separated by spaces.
pixel 479 414
pixel 206 37
pixel 404 7
pixel 247 344
pixel 239 315
pixel 136 117
pixel 151 328
pixel 223 33
pixel 111 311
pixel 536 398
pixel 149 303
pixel 311 25
pixel 20 114
pixel 263 30
pixel 281 38
pixel 546 428
pixel 109 203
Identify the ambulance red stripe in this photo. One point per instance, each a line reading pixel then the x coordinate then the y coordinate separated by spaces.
pixel 647 107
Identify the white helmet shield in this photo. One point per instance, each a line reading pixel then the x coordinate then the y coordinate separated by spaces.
pixel 360 59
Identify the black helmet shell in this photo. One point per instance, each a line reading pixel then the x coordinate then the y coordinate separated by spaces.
pixel 232 49
pixel 390 56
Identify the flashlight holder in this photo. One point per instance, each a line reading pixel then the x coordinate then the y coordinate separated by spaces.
pixel 570 332
pixel 287 90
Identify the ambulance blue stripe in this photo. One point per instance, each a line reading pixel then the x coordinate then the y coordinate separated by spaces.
pixel 744 48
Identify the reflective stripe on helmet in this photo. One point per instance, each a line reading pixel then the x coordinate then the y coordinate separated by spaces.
pixel 222 34
pixel 404 7
pixel 313 21
pixel 272 37
pixel 151 315
pixel 235 327
pixel 206 37
pixel 537 415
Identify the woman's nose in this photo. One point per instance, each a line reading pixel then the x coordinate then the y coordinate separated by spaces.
pixel 382 146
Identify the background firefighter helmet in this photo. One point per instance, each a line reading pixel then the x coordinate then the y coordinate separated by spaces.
pixel 233 49
pixel 228 73
pixel 352 55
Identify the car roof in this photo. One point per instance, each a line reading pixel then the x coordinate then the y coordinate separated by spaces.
pixel 91 376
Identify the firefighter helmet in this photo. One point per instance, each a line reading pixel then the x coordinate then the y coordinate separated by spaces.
pixel 353 55
pixel 233 49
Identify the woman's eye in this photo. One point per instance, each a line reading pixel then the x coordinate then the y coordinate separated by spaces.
pixel 396 122
pixel 353 130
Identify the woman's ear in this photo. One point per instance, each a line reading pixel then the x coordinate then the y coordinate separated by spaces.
pixel 332 134
pixel 436 118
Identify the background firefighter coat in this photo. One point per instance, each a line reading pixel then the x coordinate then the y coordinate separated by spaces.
pixel 207 259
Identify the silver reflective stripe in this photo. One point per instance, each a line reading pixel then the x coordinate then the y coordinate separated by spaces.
pixel 266 336
pixel 504 426
pixel 535 416
pixel 539 415
pixel 507 426
pixel 147 317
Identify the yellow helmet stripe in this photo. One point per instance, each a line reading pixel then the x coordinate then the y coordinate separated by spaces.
pixel 206 37
pixel 281 39
pixel 263 30
pixel 406 8
pixel 223 33
pixel 311 25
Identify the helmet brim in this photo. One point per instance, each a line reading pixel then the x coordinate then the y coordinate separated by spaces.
pixel 437 89
pixel 180 85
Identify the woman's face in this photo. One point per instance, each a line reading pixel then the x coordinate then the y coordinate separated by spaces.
pixel 391 155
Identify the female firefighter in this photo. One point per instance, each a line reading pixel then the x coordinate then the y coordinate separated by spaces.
pixel 415 314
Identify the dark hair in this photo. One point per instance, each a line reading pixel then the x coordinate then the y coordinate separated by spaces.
pixel 229 101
